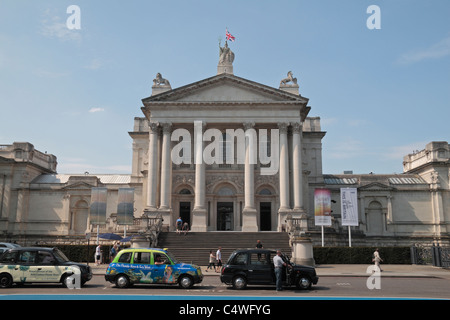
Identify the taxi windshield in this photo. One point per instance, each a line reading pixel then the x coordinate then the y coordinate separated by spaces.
pixel 60 256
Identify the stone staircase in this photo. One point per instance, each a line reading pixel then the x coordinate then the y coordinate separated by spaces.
pixel 194 247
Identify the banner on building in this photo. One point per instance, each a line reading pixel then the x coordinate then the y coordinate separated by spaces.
pixel 125 206
pixel 349 206
pixel 97 210
pixel 322 207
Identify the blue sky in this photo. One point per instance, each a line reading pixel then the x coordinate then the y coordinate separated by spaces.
pixel 380 94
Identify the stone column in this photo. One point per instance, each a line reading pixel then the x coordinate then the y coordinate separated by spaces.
pixel 284 209
pixel 284 167
pixel 152 177
pixel 199 213
pixel 166 167
pixel 297 166
pixel 249 213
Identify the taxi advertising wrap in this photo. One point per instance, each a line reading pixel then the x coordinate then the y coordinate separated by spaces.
pixel 151 266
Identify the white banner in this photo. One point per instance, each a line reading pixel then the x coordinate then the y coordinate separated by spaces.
pixel 349 206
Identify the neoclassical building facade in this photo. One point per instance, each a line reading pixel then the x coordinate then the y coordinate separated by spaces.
pixel 228 154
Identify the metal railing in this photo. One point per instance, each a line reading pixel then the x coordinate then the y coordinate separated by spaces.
pixel 435 255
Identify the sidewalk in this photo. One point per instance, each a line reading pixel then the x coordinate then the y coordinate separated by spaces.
pixel 346 270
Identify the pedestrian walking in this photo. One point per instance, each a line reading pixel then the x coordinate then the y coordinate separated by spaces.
pixel 219 259
pixel 179 224
pixel 211 264
pixel 98 255
pixel 113 252
pixel 278 264
pixel 377 259
pixel 185 227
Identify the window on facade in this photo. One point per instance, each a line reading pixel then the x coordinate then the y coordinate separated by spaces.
pixel 265 192
pixel 225 191
pixel 185 191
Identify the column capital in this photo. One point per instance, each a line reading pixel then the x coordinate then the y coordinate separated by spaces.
pixel 248 125
pixel 283 126
pixel 153 126
pixel 166 127
pixel 297 127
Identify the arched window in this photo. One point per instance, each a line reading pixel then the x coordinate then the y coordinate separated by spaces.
pixel 185 191
pixel 225 191
pixel 265 192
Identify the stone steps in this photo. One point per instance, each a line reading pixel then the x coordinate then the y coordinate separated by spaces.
pixel 194 247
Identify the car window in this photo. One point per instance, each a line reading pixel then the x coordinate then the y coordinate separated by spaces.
pixel 240 258
pixel 141 258
pixel 259 259
pixel 9 257
pixel 27 257
pixel 125 257
pixel 160 258
pixel 45 257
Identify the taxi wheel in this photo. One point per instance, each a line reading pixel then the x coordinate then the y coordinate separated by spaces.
pixel 122 281
pixel 186 282
pixel 5 281
pixel 304 283
pixel 239 282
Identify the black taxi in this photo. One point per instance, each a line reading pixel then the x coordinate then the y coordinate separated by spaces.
pixel 255 266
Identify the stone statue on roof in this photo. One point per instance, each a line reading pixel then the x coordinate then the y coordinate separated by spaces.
pixel 226 58
pixel 159 80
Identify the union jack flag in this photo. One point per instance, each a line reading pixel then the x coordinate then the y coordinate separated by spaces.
pixel 229 36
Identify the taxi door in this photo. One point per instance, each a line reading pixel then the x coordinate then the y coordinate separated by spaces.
pixel 25 269
pixel 259 268
pixel 142 267
pixel 45 269
pixel 163 268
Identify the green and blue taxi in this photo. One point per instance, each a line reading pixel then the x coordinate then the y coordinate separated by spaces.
pixel 151 265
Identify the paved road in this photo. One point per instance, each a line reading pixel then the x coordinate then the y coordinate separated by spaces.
pixel 423 283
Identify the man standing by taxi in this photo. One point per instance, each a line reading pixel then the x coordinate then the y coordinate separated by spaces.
pixel 279 263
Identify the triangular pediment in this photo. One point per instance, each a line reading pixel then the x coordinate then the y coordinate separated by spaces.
pixel 376 186
pixel 225 88
pixel 79 185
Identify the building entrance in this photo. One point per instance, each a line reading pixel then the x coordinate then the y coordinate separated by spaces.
pixel 265 216
pixel 224 216
pixel 185 212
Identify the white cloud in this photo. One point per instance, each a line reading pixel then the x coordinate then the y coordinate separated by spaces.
pixel 438 50
pixel 54 27
pixel 93 110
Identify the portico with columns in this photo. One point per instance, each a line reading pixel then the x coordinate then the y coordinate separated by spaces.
pixel 236 191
